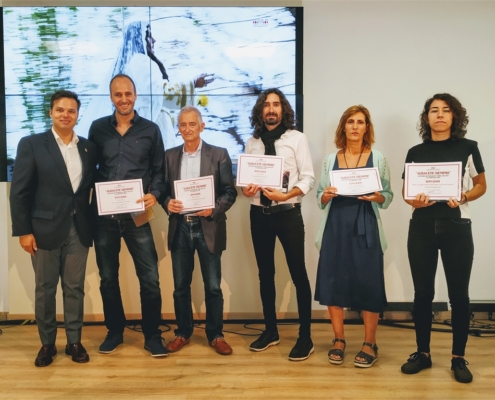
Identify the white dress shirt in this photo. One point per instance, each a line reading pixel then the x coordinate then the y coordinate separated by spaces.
pixel 293 147
pixel 72 159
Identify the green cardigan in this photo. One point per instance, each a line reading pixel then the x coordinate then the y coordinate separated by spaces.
pixel 380 162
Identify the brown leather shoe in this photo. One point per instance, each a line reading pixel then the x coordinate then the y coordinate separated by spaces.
pixel 221 346
pixel 177 343
pixel 78 352
pixel 45 355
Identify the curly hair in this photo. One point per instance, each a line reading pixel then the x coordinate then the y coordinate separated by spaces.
pixel 256 118
pixel 369 136
pixel 460 117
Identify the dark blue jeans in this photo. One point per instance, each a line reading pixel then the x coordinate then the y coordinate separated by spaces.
pixel 139 241
pixel 454 239
pixel 288 226
pixel 188 239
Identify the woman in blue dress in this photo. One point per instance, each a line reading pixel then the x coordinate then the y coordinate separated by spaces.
pixel 351 239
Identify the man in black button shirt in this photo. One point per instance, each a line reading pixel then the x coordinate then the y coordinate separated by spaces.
pixel 128 147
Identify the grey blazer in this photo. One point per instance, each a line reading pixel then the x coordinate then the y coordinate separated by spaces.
pixel 214 161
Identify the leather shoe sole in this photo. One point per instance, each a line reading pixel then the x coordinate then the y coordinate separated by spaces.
pixel 45 356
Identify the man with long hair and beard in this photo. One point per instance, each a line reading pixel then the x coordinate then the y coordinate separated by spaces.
pixel 277 213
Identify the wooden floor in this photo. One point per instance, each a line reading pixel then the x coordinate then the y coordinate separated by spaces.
pixel 197 372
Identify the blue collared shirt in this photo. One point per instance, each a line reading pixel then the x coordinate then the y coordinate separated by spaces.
pixel 190 167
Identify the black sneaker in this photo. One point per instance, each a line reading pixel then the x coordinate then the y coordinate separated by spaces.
pixel 461 371
pixel 417 361
pixel 265 340
pixel 112 340
pixel 302 350
pixel 155 346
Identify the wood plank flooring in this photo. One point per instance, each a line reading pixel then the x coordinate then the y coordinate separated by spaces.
pixel 197 372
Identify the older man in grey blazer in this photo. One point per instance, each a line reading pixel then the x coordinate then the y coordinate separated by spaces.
pixel 50 208
pixel 203 231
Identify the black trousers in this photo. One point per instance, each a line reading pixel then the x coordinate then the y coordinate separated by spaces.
pixel 288 226
pixel 454 239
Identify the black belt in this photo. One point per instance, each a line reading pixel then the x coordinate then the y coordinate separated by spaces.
pixel 279 208
pixel 190 218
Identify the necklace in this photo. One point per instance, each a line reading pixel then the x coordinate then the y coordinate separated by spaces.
pixel 359 159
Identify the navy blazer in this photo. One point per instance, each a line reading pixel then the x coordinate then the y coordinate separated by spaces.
pixel 214 161
pixel 42 201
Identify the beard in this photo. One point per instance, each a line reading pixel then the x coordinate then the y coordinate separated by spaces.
pixel 272 119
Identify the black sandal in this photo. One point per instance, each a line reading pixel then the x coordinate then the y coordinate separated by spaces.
pixel 369 360
pixel 336 352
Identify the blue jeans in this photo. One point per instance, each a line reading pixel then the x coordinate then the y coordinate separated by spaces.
pixel 188 239
pixel 454 240
pixel 139 241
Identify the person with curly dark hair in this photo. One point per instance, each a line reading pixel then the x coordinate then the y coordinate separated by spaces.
pixel 443 226
pixel 277 213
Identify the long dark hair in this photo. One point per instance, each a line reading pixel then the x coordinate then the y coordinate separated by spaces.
pixel 459 122
pixel 288 116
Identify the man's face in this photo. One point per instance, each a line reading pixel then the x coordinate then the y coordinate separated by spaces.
pixel 64 114
pixel 272 111
pixel 190 127
pixel 123 96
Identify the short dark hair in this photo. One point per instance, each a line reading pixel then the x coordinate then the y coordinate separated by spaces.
pixel 122 76
pixel 288 115
pixel 61 94
pixel 459 122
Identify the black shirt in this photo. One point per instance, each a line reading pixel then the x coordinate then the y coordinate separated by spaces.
pixel 463 150
pixel 136 154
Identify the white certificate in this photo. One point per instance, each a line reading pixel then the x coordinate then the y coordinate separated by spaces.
pixel 259 170
pixel 195 194
pixel 118 197
pixel 356 181
pixel 440 181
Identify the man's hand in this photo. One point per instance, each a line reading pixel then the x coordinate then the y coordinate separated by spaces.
pixel 28 243
pixel 149 200
pixel 250 190
pixel 174 206
pixel 204 213
pixel 274 194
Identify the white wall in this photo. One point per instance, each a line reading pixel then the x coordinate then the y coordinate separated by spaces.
pixel 390 56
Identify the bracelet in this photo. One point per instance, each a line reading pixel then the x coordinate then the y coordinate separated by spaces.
pixel 465 200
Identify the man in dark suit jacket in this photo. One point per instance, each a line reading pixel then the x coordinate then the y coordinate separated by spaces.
pixel 50 208
pixel 203 231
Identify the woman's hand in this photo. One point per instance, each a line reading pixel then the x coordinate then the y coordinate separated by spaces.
pixel 328 194
pixel 453 203
pixel 377 197
pixel 422 200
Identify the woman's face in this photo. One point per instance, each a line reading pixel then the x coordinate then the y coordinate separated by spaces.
pixel 440 118
pixel 355 128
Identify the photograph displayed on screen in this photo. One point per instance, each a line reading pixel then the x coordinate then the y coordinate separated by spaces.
pixel 216 58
